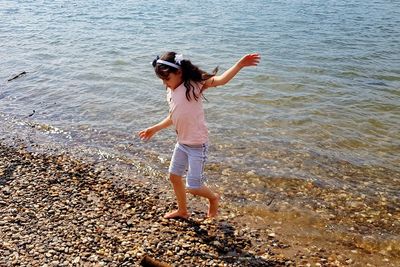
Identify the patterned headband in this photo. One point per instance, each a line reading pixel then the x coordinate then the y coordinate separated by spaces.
pixel 178 59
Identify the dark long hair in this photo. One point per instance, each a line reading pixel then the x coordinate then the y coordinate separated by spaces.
pixel 190 73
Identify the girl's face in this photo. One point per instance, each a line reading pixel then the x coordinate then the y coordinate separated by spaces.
pixel 173 80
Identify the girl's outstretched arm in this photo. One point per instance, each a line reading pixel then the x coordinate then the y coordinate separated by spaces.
pixel 246 61
pixel 146 134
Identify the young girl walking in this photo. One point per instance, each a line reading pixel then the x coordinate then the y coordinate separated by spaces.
pixel 186 84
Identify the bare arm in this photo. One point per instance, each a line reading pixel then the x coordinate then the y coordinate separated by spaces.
pixel 148 133
pixel 245 61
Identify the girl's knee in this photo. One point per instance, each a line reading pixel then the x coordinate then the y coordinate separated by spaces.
pixel 175 178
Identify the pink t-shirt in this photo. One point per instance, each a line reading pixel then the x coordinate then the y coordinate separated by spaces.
pixel 188 116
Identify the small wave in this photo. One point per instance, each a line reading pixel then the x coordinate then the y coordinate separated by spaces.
pixel 391 78
pixel 120 62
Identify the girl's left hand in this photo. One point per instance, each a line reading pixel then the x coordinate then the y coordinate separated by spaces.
pixel 249 60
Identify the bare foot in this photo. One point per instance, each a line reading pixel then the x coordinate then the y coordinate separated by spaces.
pixel 176 214
pixel 213 208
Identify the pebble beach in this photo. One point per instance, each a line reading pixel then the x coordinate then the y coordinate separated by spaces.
pixel 57 210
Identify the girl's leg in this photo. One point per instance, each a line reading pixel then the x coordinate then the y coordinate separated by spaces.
pixel 177 168
pixel 195 180
pixel 212 197
pixel 180 194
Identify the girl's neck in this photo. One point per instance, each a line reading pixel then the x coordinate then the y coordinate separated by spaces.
pixel 173 87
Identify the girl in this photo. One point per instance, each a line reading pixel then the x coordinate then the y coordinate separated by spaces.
pixel 186 84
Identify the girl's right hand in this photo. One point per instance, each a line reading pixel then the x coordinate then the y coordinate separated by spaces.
pixel 146 134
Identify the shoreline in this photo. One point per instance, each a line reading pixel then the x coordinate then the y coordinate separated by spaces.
pixel 61 211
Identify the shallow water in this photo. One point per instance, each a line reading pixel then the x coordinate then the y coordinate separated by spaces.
pixel 322 107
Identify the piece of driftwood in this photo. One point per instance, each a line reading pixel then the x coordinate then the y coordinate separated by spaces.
pixel 17 76
pixel 150 262
pixel 271 200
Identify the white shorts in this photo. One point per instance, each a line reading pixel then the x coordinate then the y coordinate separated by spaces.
pixel 191 159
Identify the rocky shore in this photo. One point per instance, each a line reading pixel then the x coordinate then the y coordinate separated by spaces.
pixel 60 211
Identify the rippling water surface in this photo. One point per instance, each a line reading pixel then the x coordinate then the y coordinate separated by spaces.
pixel 323 105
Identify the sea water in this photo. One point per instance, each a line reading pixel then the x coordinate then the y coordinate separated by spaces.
pixel 322 106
